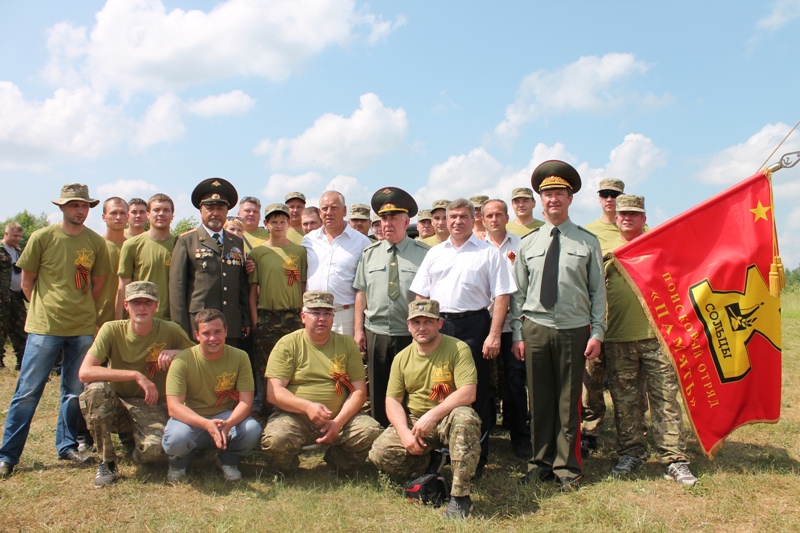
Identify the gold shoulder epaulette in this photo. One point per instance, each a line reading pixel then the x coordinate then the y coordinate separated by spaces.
pixel 187 232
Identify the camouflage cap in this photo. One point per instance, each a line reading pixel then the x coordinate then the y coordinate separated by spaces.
pixel 440 204
pixel 359 212
pixel 428 308
pixel 424 214
pixel 522 192
pixel 295 196
pixel 72 192
pixel 630 202
pixel 141 289
pixel 312 299
pixel 612 184
pixel 276 208
pixel 376 219
pixel 478 200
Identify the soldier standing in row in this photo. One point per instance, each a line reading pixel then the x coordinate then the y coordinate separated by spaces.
pixel 12 300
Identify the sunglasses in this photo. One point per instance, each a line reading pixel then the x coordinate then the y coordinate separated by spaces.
pixel 609 194
pixel 236 218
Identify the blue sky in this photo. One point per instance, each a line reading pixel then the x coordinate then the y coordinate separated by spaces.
pixel 445 99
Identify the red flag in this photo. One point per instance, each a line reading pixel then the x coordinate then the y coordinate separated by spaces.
pixel 703 279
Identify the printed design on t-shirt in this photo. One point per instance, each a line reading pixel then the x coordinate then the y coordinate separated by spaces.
pixel 338 370
pixel 442 377
pixel 291 268
pixel 83 265
pixel 152 358
pixel 225 388
pixel 168 262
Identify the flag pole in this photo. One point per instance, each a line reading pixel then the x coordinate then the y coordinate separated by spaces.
pixel 777 274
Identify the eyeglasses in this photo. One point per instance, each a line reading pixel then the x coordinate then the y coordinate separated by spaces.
pixel 321 314
pixel 250 200
pixel 609 194
pixel 236 218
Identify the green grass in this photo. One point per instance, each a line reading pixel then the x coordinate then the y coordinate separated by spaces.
pixel 752 485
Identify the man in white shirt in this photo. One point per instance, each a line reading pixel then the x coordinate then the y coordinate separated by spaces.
pixel 333 254
pixel 515 405
pixel 465 275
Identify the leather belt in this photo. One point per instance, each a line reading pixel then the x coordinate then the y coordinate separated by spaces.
pixel 341 307
pixel 465 314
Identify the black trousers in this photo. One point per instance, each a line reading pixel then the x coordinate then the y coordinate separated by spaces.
pixel 381 350
pixel 473 330
pixel 515 406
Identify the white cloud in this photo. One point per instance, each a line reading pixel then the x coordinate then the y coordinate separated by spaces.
pixel 137 45
pixel 338 143
pixel 278 185
pixel 349 186
pixel 589 84
pixel 162 122
pixel 232 103
pixel 478 172
pixel 783 12
pixel 126 189
pixel 74 121
pixel 739 161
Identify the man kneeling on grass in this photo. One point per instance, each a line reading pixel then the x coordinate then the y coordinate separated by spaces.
pixel 316 381
pixel 437 377
pixel 127 396
pixel 209 397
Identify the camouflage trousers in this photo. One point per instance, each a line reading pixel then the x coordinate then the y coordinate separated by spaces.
pixel 287 433
pixel 628 364
pixel 12 323
pixel 271 327
pixel 460 431
pixel 107 413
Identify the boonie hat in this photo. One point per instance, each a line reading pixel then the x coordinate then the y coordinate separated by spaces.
pixel 75 192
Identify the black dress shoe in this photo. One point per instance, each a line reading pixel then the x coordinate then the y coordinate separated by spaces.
pixel 537 473
pixel 6 469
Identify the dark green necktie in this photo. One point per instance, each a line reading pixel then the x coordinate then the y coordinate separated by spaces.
pixel 549 289
pixel 216 239
pixel 394 274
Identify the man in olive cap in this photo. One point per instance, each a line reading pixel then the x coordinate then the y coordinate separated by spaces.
pixel 383 278
pixel 435 378
pixel 125 370
pixel 377 231
pixel 207 270
pixel 635 359
pixel 359 218
pixel 605 227
pixel 558 321
pixel 439 219
pixel 63 269
pixel 315 380
pixel 296 202
pixel 478 202
pixel 522 202
pixel 424 225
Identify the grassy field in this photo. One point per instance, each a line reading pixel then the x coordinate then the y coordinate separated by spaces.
pixel 752 485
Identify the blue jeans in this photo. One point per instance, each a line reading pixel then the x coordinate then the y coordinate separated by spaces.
pixel 40 356
pixel 181 439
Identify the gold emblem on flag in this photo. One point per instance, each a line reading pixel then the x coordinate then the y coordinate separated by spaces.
pixel 731 319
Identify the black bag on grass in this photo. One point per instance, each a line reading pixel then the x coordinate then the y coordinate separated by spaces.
pixel 429 489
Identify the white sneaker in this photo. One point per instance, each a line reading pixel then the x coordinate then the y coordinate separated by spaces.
pixel 229 472
pixel 175 475
pixel 679 471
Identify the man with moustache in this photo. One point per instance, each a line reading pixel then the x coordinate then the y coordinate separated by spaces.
pixel 207 270
pixel 359 218
pixel 296 202
pixel 558 322
pixel 63 268
pixel 147 256
pixel 382 280
pixel 333 254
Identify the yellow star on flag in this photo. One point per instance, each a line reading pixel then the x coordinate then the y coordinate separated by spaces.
pixel 760 211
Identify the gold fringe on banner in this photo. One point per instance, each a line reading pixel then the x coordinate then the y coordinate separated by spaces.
pixel 777 275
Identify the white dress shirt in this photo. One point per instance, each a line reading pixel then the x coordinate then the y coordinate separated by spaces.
pixel 463 279
pixel 507 249
pixel 332 265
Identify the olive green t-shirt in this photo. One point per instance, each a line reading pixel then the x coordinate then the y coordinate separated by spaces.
pixel 254 239
pixel 432 241
pixel 145 259
pixel 415 375
pixel 310 368
pixel 108 296
pixel 607 233
pixel 61 301
pixel 520 230
pixel 273 265
pixel 626 319
pixel 210 387
pixel 125 350
pixel 295 236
